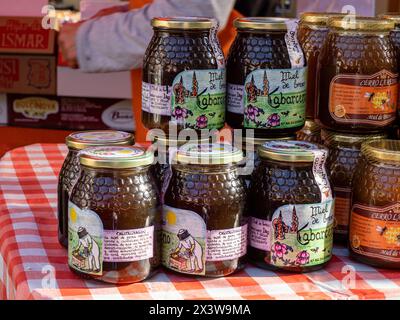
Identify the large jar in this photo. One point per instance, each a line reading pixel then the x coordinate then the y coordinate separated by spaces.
pixel 344 155
pixel 312 33
pixel 71 169
pixel 375 217
pixel 184 75
pixel 311 132
pixel 204 232
pixel 358 76
pixel 266 78
pixel 114 216
pixel 291 208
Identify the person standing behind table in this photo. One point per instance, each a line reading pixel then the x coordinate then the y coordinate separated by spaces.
pixel 116 39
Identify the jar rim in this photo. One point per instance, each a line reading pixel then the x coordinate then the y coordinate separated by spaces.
pixel 318 18
pixel 392 16
pixel 262 23
pixel 360 23
pixel 84 139
pixel 333 136
pixel 115 157
pixel 382 150
pixel 184 23
pixel 289 151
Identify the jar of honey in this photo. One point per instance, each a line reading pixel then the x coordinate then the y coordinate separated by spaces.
pixel 312 33
pixel 395 33
pixel 114 216
pixel 311 132
pixel 266 78
pixel 291 208
pixel 358 76
pixel 184 81
pixel 344 156
pixel 204 232
pixel 71 169
pixel 375 218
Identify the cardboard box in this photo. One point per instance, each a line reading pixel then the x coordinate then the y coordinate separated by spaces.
pixel 28 74
pixel 70 113
pixel 25 8
pixel 75 83
pixel 3 109
pixel 26 35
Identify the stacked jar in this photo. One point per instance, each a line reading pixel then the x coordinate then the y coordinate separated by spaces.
pixel 357 92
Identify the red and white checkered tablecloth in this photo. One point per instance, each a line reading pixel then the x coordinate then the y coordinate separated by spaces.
pixel 34 266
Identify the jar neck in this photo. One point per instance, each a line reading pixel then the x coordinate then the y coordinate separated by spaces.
pixel 205 169
pixel 115 172
pixel 287 164
pixel 180 32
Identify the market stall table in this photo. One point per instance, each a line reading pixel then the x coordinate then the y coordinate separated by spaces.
pixel 34 266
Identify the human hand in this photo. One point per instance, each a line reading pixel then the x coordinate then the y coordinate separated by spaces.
pixel 67 43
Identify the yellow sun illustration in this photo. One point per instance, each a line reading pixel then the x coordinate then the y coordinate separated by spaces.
pixel 124 151
pixel 73 215
pixel 171 218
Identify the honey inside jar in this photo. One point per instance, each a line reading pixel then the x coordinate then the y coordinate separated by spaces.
pixel 358 76
pixel 204 231
pixel 311 132
pixel 291 213
pixel 70 170
pixel 375 218
pixel 114 216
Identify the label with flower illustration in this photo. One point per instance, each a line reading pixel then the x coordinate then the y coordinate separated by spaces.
pixel 364 99
pixel 274 99
pixel 375 231
pixel 302 235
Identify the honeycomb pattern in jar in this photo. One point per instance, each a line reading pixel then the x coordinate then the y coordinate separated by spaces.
pixel 395 38
pixel 123 201
pixel 70 171
pixel 312 40
pixel 219 198
pixel 307 136
pixel 341 164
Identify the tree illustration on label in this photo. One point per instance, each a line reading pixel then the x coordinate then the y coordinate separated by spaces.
pixel 280 228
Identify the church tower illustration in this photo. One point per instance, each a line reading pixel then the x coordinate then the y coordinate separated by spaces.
pixel 195 85
pixel 280 228
pixel 265 84
pixel 295 222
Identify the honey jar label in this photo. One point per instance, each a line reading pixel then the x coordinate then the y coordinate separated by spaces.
pixel 195 100
pixel 342 209
pixel 85 240
pixel 274 99
pixel 260 234
pixel 375 231
pixel 302 235
pixel 370 100
pixel 296 55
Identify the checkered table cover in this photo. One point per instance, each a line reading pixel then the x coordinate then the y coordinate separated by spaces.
pixel 34 266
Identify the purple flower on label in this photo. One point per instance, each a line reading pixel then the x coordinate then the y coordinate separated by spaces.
pixel 202 122
pixel 180 113
pixel 280 249
pixel 252 112
pixel 303 258
pixel 274 120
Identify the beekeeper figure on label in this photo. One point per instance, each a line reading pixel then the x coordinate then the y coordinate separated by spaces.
pixel 90 249
pixel 191 249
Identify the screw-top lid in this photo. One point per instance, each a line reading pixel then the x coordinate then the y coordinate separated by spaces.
pixel 289 151
pixel 185 23
pixel 261 23
pixel 382 150
pixel 115 157
pixel 332 137
pixel 84 139
pixel 318 18
pixel 208 154
pixel 393 16
pixel 357 23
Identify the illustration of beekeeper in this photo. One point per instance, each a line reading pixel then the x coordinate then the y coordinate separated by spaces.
pixel 89 249
pixel 191 250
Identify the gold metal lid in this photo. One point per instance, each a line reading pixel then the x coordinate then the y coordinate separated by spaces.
pixel 332 137
pixel 261 23
pixel 85 139
pixel 382 150
pixel 208 154
pixel 318 18
pixel 115 157
pixel 289 151
pixel 361 24
pixel 394 16
pixel 186 23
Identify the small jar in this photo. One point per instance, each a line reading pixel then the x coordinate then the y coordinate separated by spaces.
pixel 358 76
pixel 310 133
pixel 204 232
pixel 375 218
pixel 291 208
pixel 266 78
pixel 184 81
pixel 312 33
pixel 344 155
pixel 71 169
pixel 114 216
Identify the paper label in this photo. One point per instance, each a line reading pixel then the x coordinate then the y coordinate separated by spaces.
pixel 235 98
pixel 156 99
pixel 296 54
pixel 260 234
